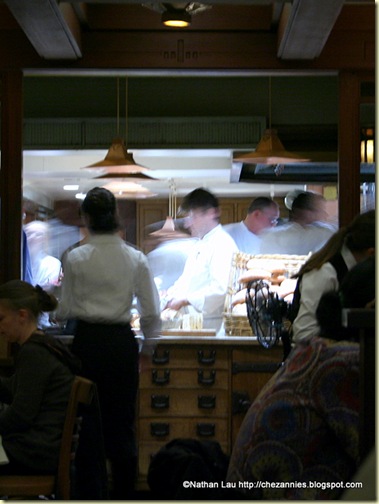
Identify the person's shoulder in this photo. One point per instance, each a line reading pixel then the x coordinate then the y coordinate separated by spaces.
pixel 342 353
pixel 33 347
pixel 320 349
pixel 277 230
pixel 231 226
pixel 325 271
pixel 49 259
pixel 132 250
pixel 225 237
pixel 317 229
pixel 89 245
pixel 327 226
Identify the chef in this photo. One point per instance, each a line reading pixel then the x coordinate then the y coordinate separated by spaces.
pixel 203 284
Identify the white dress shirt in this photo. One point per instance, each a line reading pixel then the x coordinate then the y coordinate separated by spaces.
pixel 205 277
pixel 246 241
pixel 101 280
pixel 313 285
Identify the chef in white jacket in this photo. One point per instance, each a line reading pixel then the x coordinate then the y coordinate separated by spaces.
pixel 203 284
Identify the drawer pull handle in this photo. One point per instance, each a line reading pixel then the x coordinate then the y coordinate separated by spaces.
pixel 160 380
pixel 160 401
pixel 206 402
pixel 206 429
pixel 240 402
pixel 158 429
pixel 161 359
pixel 202 380
pixel 202 359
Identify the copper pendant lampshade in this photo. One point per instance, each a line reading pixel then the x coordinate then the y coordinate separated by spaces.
pixel 118 163
pixel 168 230
pixel 270 149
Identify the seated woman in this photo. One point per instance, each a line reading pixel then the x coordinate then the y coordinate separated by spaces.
pixel 299 439
pixel 37 394
pixel 325 270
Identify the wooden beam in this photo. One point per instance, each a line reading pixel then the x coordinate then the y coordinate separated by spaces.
pixel 348 147
pixel 53 31
pixel 192 51
pixel 305 26
pixel 11 175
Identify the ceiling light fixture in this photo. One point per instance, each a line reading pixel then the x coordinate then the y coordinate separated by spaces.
pixel 129 190
pixel 176 18
pixel 168 230
pixel 118 162
pixel 270 149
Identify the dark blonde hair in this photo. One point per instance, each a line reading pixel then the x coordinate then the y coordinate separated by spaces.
pixel 359 235
pixel 17 294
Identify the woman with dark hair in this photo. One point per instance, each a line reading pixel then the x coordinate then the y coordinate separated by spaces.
pixel 326 268
pixel 102 279
pixel 37 393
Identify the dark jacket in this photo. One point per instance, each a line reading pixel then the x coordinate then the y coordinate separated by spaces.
pixel 37 396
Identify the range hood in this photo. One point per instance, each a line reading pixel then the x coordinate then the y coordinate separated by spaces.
pixel 295 173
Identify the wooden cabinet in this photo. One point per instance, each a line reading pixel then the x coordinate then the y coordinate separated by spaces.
pixel 199 390
pixel 146 214
pixel 183 393
pixel 251 370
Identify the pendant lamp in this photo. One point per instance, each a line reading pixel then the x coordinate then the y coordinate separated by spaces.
pixel 128 190
pixel 118 163
pixel 270 149
pixel 168 231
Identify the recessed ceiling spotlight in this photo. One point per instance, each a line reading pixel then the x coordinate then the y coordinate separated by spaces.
pixel 71 187
pixel 80 195
pixel 176 18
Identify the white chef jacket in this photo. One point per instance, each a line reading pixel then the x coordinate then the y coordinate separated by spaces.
pixel 167 261
pixel 101 280
pixel 246 241
pixel 294 239
pixel 205 277
pixel 45 269
pixel 313 285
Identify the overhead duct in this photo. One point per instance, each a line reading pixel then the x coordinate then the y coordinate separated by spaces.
pixel 295 173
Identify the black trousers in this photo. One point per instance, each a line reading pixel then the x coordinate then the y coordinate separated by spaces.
pixel 109 355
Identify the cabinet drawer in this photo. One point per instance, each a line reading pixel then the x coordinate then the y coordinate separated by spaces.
pixel 166 429
pixel 184 378
pixel 147 450
pixel 153 402
pixel 189 357
pixel 258 354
